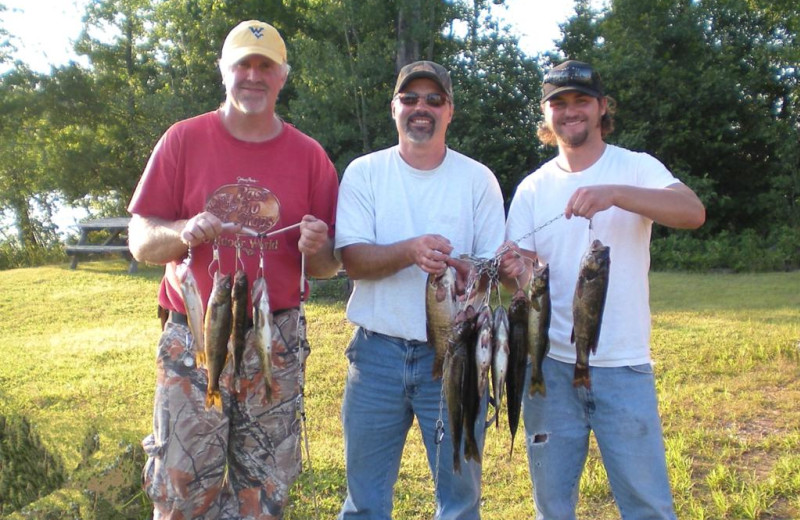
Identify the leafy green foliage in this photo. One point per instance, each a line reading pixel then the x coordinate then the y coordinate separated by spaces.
pixel 710 88
pixel 749 251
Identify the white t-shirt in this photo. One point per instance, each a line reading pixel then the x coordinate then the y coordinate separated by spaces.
pixel 382 200
pixel 543 195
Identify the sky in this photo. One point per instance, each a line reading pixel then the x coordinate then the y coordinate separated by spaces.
pixel 47 29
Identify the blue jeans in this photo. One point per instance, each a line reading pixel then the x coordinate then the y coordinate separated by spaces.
pixel 622 410
pixel 389 382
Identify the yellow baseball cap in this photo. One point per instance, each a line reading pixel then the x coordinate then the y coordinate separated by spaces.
pixel 253 37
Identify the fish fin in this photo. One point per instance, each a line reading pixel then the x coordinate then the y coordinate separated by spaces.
pixel 200 358
pixel 267 390
pixel 581 377
pixel 537 385
pixel 214 400
pixel 457 463
pixel 471 451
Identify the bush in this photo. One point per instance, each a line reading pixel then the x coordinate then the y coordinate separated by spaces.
pixel 749 251
pixel 13 255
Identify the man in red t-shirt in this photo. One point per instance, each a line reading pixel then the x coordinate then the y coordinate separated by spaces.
pixel 213 189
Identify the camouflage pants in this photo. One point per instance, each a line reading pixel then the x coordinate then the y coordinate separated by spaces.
pixel 234 464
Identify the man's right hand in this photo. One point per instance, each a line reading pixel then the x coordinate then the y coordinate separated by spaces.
pixel 203 227
pixel 430 253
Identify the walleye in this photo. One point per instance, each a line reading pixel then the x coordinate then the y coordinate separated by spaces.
pixel 539 327
pixel 262 331
pixel 499 357
pixel 239 310
pixel 193 303
pixel 517 358
pixel 218 324
pixel 587 308
pixel 440 310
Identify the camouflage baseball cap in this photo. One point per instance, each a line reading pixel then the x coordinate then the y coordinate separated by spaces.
pixel 425 69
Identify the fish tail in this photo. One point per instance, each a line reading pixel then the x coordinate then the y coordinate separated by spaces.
pixel 438 370
pixel 214 400
pixel 581 377
pixel 537 386
pixel 471 451
pixel 457 462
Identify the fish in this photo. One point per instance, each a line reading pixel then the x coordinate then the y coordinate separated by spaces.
pixel 539 327
pixel 517 358
pixel 499 357
pixel 469 390
pixel 483 348
pixel 262 331
pixel 239 294
pixel 587 308
pixel 460 390
pixel 440 310
pixel 453 379
pixel 217 332
pixel 193 304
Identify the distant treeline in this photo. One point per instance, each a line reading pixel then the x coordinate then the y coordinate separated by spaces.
pixel 709 87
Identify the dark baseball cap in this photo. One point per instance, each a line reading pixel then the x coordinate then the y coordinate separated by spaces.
pixel 424 69
pixel 572 76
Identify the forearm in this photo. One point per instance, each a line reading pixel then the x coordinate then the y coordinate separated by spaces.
pixel 372 262
pixel 675 206
pixel 322 264
pixel 156 241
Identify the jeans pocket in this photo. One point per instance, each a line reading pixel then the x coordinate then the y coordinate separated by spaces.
pixel 350 351
pixel 646 368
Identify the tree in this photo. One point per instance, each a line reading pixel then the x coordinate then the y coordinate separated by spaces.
pixel 21 136
pixel 699 85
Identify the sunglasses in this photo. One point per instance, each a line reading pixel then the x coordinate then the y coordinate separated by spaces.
pixel 570 76
pixel 434 99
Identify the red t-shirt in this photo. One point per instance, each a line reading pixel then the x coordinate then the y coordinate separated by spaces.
pixel 197 165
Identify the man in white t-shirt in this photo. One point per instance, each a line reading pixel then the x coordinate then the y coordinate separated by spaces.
pixel 620 193
pixel 405 212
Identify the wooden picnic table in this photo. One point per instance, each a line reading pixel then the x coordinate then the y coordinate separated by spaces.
pixel 117 241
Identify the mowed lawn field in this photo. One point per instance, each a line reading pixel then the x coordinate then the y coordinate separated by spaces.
pixel 77 356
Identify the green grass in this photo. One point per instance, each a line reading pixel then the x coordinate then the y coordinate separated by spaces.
pixel 76 360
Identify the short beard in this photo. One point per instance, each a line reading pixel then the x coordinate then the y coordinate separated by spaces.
pixel 420 136
pixel 572 141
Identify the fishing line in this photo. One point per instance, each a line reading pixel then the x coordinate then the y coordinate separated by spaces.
pixel 302 341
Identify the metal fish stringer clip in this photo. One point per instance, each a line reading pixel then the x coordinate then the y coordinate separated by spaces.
pixel 214 266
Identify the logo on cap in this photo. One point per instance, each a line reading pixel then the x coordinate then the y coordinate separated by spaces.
pixel 258 32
